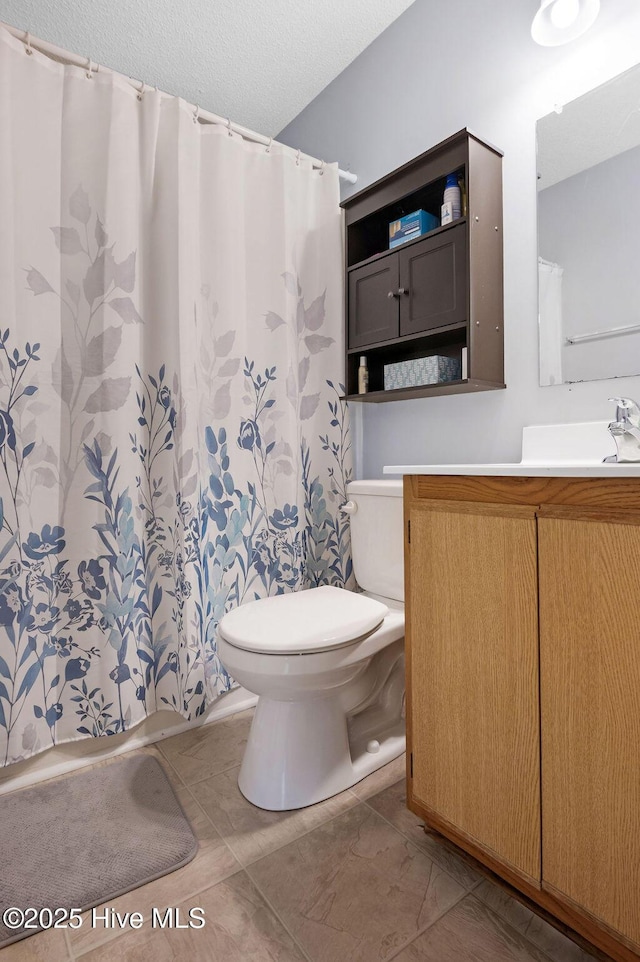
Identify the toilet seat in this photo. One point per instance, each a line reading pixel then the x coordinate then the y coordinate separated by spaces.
pixel 302 622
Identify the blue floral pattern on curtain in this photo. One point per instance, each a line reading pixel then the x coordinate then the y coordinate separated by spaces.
pixel 163 494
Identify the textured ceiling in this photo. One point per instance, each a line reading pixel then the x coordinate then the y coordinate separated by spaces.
pixel 602 124
pixel 259 62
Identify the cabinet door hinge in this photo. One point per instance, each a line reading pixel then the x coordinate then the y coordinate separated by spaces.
pixel 411 765
pixel 408 532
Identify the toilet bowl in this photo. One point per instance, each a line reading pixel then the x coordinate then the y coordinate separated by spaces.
pixel 328 667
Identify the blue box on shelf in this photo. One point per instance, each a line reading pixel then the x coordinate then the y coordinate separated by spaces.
pixel 411 226
pixel 421 370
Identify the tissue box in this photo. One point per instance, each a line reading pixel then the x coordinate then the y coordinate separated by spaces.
pixel 421 370
pixel 411 226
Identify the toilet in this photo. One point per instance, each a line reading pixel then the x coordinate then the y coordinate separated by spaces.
pixel 328 667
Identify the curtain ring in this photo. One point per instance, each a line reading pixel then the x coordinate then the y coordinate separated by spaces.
pixel 298 158
pixel 196 114
pixel 27 44
pixel 89 73
pixel 141 91
pixel 229 127
pixel 268 150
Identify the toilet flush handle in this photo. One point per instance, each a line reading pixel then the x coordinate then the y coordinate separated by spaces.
pixel 349 508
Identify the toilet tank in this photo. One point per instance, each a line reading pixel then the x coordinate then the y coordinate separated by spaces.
pixel 377 537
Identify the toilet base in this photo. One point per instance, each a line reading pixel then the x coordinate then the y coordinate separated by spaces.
pixel 301 752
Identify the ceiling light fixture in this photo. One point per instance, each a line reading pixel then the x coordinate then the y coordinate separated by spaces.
pixel 560 21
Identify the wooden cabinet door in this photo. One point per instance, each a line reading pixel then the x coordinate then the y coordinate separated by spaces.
pixel 433 276
pixel 373 302
pixel 590 696
pixel 472 653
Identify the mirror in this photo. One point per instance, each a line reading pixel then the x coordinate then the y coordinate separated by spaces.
pixel 589 235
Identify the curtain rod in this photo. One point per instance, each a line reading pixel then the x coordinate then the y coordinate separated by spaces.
pixel 66 57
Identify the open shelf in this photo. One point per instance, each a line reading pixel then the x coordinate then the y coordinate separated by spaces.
pixel 369 236
pixel 409 243
pixel 425 390
pixel 446 342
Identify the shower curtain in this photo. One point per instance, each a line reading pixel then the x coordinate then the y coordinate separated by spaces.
pixel 172 443
pixel 550 321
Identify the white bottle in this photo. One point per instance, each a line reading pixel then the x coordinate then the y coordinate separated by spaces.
pixel 452 196
pixel 363 376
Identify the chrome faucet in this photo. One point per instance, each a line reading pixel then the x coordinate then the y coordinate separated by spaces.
pixel 625 430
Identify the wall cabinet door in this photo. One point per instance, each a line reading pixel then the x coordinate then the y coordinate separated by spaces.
pixel 590 696
pixel 373 302
pixel 473 664
pixel 411 291
pixel 433 282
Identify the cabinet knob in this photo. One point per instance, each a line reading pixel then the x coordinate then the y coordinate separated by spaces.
pixel 402 290
pixel 392 294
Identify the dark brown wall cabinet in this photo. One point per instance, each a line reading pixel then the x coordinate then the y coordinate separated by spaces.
pixel 437 294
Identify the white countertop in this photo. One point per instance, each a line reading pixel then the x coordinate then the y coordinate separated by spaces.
pixel 548 451
pixel 521 469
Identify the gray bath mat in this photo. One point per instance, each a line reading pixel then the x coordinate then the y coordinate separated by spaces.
pixel 88 838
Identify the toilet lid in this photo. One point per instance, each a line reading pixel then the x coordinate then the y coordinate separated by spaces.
pixel 316 619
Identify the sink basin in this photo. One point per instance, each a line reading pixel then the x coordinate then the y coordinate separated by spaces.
pixel 548 450
pixel 586 443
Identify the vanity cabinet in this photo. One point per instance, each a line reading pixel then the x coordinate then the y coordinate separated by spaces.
pixel 590 700
pixel 474 675
pixel 523 688
pixel 439 294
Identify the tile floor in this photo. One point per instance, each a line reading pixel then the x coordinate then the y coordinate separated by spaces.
pixel 353 879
